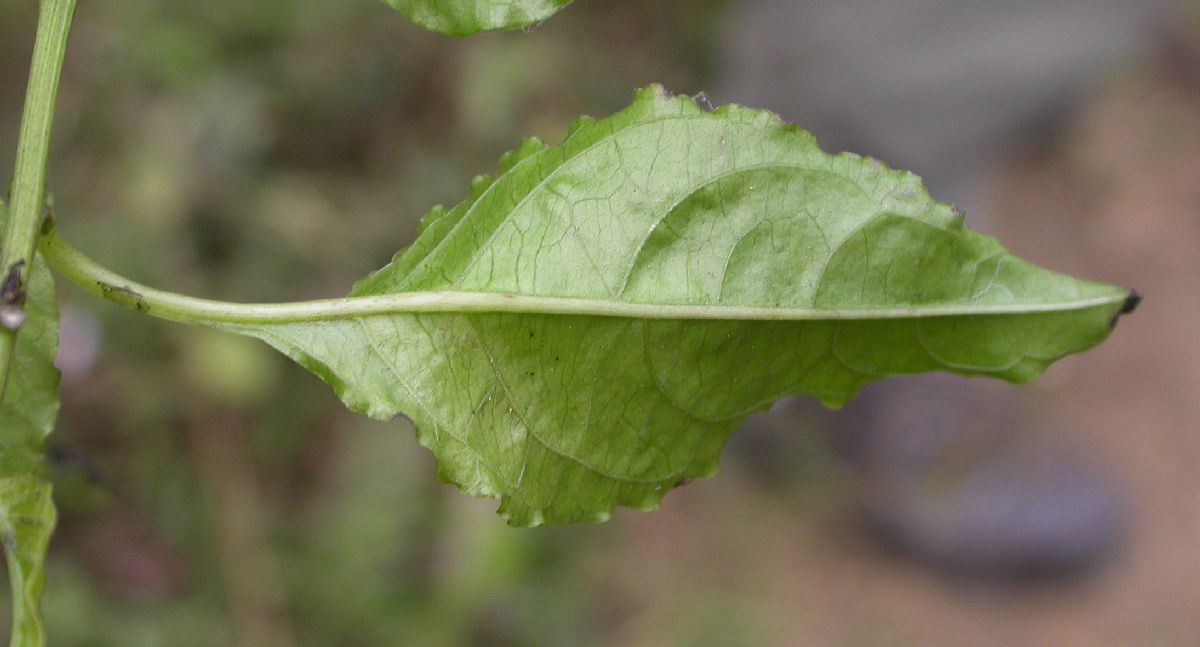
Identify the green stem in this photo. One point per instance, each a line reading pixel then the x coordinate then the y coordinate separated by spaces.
pixel 28 191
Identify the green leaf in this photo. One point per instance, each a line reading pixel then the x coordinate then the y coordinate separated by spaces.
pixel 465 17
pixel 27 416
pixel 586 330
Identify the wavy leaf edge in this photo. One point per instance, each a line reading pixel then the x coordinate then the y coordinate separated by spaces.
pixel 439 333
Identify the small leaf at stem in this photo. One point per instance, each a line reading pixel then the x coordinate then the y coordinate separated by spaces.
pixel 27 415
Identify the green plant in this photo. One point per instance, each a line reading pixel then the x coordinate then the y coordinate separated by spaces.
pixel 586 329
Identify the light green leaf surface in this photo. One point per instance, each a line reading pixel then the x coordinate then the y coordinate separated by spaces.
pixel 587 329
pixel 465 17
pixel 27 416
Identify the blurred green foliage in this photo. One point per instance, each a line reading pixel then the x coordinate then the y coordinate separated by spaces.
pixel 210 492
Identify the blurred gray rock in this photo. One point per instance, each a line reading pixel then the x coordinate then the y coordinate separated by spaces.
pixel 950 475
pixel 938 87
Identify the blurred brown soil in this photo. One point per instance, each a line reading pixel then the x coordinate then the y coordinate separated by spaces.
pixel 1117 200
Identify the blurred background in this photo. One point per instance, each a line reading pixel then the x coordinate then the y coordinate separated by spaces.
pixel 212 493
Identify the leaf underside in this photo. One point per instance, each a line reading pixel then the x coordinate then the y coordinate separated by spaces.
pixel 799 273
pixel 465 17
pixel 27 416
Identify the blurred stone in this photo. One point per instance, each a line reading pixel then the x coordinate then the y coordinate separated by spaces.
pixel 950 475
pixel 1011 516
pixel 938 87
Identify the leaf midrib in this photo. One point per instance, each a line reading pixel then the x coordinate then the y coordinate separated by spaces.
pixel 453 302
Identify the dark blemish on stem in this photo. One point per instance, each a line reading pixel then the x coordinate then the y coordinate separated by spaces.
pixel 11 292
pixel 48 223
pixel 401 416
pixel 48 216
pixel 1131 303
pixel 124 296
pixel 12 299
